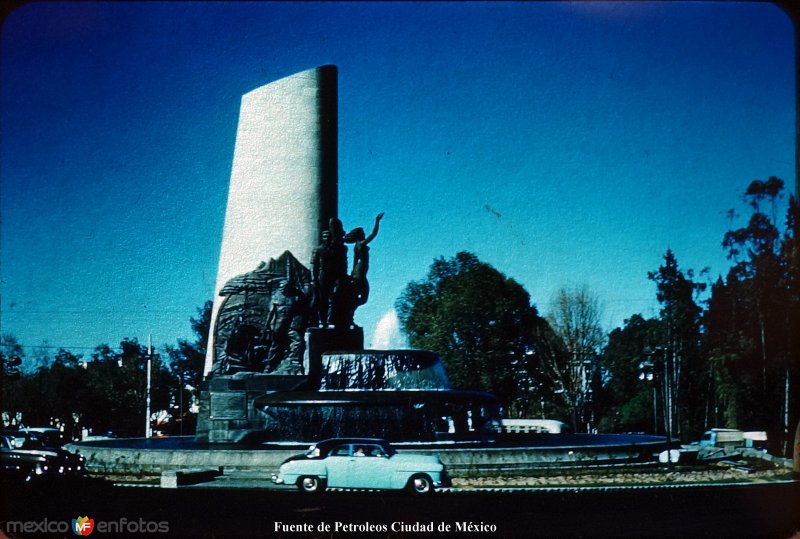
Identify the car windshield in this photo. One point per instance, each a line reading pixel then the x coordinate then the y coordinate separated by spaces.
pixel 51 438
pixel 29 441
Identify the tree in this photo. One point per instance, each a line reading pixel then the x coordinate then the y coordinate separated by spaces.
pixel 10 392
pixel 682 369
pixel 573 367
pixel 99 405
pixel 752 318
pixel 103 392
pixel 630 401
pixel 9 346
pixel 187 362
pixel 64 384
pixel 790 255
pixel 479 320
pixel 115 388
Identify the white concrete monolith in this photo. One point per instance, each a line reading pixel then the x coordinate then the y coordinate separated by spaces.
pixel 283 186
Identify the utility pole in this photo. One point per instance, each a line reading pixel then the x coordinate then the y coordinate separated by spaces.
pixel 148 431
pixel 180 397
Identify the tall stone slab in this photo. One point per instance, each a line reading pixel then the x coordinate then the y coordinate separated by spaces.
pixel 283 187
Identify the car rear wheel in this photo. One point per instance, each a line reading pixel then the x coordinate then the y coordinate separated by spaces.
pixel 420 485
pixel 311 484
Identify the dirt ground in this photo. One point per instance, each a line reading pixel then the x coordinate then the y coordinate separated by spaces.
pixel 741 472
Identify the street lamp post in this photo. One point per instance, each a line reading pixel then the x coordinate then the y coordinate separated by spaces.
pixel 180 401
pixel 667 372
pixel 658 370
pixel 647 374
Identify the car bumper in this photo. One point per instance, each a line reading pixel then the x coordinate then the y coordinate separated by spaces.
pixel 278 480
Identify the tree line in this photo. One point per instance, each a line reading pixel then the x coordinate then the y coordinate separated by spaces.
pixel 729 360
pixel 104 392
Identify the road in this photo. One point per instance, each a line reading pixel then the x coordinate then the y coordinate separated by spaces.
pixel 768 510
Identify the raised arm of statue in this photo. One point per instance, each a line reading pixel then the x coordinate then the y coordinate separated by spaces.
pixel 375 228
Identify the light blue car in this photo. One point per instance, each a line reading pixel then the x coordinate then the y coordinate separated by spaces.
pixel 362 463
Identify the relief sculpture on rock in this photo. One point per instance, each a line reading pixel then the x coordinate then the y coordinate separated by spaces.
pixel 262 320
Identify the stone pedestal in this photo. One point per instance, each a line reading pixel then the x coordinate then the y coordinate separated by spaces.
pixel 227 414
pixel 226 405
pixel 321 340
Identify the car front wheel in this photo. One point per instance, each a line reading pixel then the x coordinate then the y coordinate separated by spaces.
pixel 420 485
pixel 311 485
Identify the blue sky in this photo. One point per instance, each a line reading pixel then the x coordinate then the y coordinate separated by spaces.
pixel 564 143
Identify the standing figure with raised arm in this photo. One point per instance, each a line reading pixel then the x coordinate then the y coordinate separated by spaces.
pixel 361 258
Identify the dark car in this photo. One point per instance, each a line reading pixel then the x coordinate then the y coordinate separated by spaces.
pixel 51 437
pixel 25 456
pixel 362 463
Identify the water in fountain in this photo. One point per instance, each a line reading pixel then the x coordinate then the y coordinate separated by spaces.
pixel 399 395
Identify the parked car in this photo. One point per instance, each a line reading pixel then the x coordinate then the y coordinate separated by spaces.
pixel 733 439
pixel 362 463
pixel 51 437
pixel 25 455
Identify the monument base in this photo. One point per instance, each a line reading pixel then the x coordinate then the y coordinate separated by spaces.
pixel 227 413
pixel 226 405
pixel 321 340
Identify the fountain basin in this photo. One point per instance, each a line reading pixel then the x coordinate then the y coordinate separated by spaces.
pixel 121 459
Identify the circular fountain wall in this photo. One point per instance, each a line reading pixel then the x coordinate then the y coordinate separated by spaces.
pixel 398 395
pixel 402 396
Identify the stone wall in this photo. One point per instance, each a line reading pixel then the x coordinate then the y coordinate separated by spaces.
pixel 461 462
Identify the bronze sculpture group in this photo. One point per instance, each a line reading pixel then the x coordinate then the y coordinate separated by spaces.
pixel 337 294
pixel 262 322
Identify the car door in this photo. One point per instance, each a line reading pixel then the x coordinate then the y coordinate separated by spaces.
pixel 372 469
pixel 338 464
